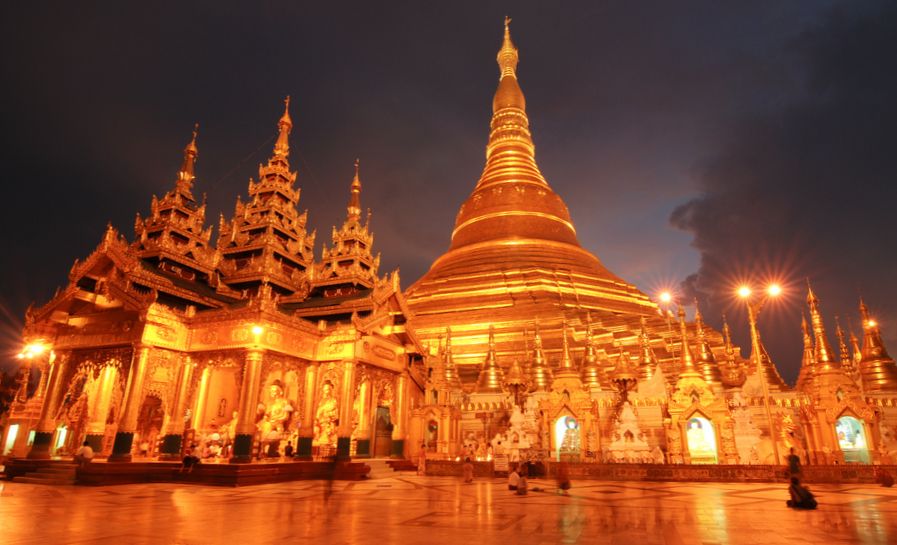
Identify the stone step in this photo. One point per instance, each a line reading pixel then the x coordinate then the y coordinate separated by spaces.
pixel 34 479
pixel 67 470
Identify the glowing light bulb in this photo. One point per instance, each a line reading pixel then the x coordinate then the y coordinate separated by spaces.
pixel 872 323
pixel 666 297
pixel 744 292
pixel 774 290
pixel 257 330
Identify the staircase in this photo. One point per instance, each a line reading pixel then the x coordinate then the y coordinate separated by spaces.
pixel 380 469
pixel 55 474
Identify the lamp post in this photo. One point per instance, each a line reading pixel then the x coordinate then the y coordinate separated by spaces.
pixel 754 308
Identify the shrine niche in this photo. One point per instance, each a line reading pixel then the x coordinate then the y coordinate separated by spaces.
pixel 149 425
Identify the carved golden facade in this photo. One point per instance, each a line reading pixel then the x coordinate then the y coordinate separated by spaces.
pixel 518 342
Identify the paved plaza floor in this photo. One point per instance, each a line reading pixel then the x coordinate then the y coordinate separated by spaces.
pixel 441 510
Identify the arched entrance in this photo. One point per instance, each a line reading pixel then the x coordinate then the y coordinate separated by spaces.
pixel 432 436
pixel 566 438
pixel 852 440
pixel 701 439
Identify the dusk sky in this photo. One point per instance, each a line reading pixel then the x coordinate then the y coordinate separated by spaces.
pixel 696 144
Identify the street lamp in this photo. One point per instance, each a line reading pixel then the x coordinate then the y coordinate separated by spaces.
pixel 754 308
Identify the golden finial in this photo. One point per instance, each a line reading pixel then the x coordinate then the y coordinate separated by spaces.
pixel 686 359
pixel 507 55
pixel 354 207
pixel 186 173
pixel 282 146
pixel 823 350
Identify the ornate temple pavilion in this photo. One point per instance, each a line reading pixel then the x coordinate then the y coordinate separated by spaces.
pixel 517 343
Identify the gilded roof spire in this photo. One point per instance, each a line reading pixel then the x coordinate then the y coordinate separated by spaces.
pixel 842 345
pixel 354 207
pixel 452 379
pixel 823 352
pixel 727 336
pixel 282 146
pixel 187 172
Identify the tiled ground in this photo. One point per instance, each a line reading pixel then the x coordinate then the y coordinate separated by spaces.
pixel 434 510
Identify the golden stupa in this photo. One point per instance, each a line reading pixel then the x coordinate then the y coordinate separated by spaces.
pixel 514 259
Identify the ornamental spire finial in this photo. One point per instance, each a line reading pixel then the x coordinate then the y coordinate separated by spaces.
pixel 282 147
pixel 507 55
pixel 354 206
pixel 187 172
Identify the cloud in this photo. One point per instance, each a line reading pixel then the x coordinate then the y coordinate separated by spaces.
pixel 807 187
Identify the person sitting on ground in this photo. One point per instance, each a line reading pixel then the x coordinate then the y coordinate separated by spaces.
pixel 84 455
pixel 801 497
pixel 189 462
pixel 467 469
pixel 793 464
pixel 563 478
pixel 513 479
pixel 288 450
pixel 885 478
pixel 522 484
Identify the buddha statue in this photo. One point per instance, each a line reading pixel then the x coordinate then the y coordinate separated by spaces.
pixel 277 413
pixel 326 417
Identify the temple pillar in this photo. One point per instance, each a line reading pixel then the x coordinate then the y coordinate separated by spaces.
pixel 202 394
pixel 172 442
pixel 46 425
pixel 96 426
pixel 307 424
pixel 344 432
pixel 398 430
pixel 127 423
pixel 249 400
pixel 363 434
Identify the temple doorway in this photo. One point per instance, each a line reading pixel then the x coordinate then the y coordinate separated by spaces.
pixel 701 438
pixel 382 433
pixel 566 438
pixel 149 424
pixel 432 435
pixel 852 440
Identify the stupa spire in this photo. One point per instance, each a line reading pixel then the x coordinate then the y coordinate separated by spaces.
pixel 491 375
pixel 686 358
pixel 808 360
pixel 706 360
pixel 285 126
pixel 540 373
pixel 507 56
pixel 567 364
pixel 878 371
pixel 591 371
pixel 648 360
pixel 450 372
pixel 823 351
pixel 727 338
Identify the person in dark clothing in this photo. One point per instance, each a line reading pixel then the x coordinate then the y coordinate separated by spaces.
pixel 288 450
pixel 801 497
pixel 189 462
pixel 793 464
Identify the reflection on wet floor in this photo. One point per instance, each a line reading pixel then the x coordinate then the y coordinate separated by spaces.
pixel 432 510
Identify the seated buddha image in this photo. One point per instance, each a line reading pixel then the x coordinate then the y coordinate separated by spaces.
pixel 326 417
pixel 277 412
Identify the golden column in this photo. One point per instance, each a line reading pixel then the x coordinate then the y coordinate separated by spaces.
pixel 46 425
pixel 199 405
pixel 249 400
pixel 96 426
pixel 398 430
pixel 363 437
pixel 344 433
pixel 307 424
pixel 172 442
pixel 127 422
